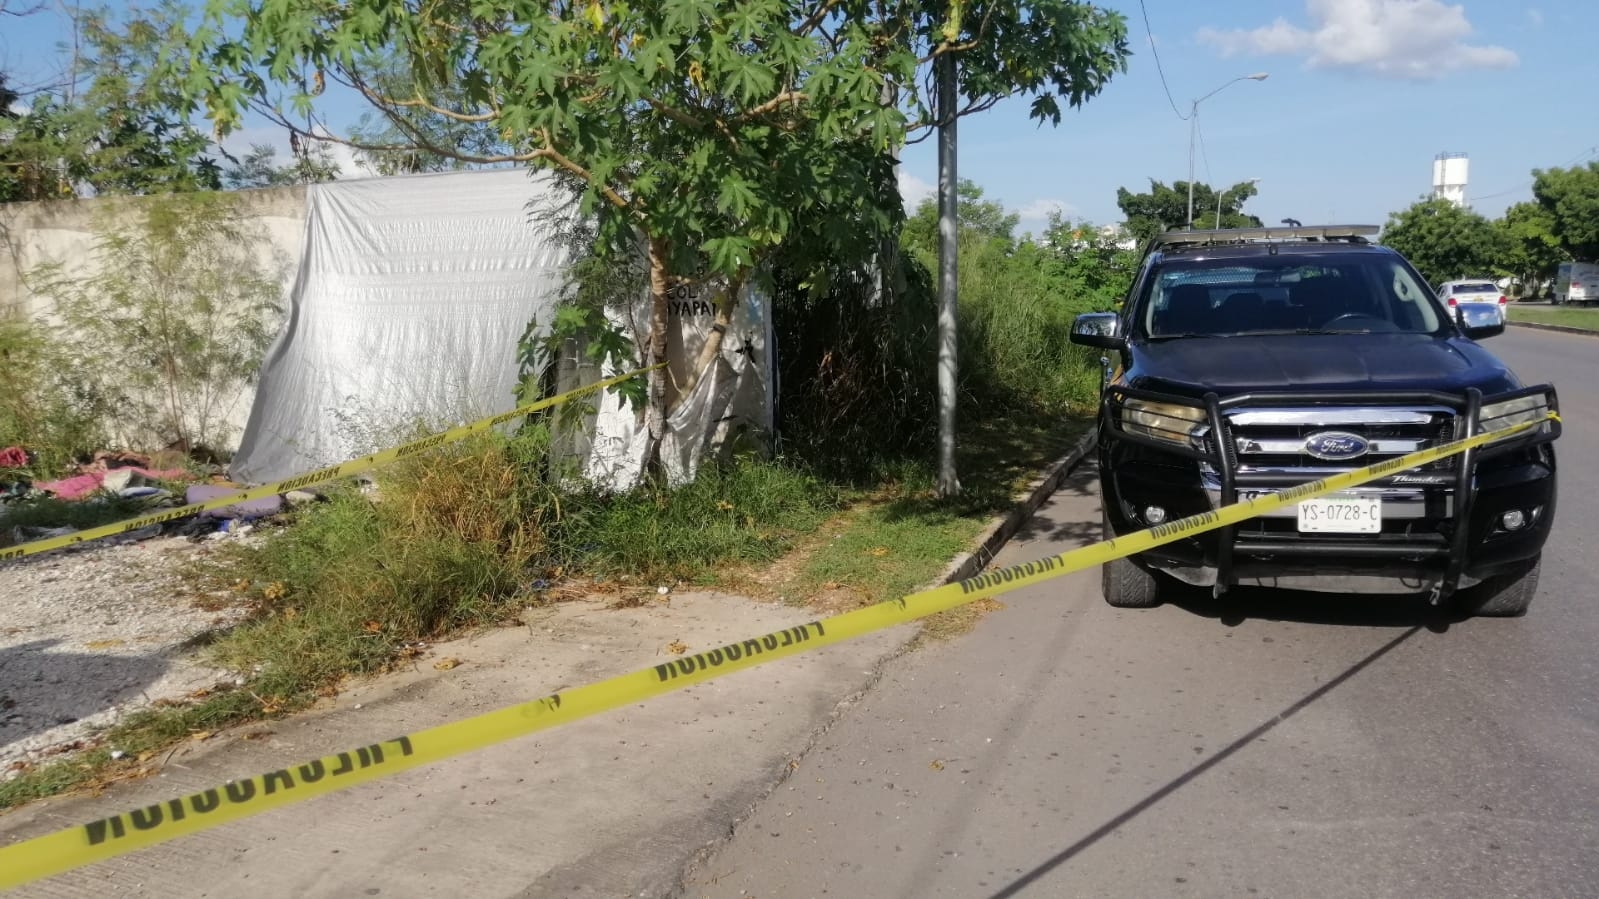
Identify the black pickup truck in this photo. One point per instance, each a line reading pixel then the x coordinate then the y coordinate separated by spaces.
pixel 1247 361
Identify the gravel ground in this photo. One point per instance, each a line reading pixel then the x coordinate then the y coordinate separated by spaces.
pixel 88 635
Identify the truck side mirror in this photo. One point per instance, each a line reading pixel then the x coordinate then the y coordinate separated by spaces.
pixel 1098 329
pixel 1479 324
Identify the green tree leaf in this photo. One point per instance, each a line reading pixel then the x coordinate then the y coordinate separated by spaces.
pixel 1445 242
pixel 1571 198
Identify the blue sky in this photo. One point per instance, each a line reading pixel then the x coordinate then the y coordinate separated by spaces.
pixel 1362 95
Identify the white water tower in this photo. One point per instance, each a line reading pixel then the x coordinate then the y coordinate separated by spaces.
pixel 1449 177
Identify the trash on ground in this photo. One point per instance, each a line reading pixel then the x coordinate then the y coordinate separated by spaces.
pixel 82 485
pixel 255 508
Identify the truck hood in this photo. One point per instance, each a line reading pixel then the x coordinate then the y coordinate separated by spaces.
pixel 1231 365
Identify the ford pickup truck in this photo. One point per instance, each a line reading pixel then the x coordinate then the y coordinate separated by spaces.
pixel 1247 361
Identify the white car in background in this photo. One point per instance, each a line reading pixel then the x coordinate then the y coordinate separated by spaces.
pixel 1476 299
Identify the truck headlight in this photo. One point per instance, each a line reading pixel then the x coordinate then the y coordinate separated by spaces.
pixel 1167 422
pixel 1524 410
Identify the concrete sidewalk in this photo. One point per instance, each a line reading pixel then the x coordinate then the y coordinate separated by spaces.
pixel 616 805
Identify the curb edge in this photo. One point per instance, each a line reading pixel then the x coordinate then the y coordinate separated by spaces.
pixel 1004 527
pixel 1564 329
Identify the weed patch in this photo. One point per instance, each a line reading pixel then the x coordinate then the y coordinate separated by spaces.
pixel 898 538
pixel 42 407
pixel 448 544
pixel 46 512
pixel 465 537
pixel 462 536
pixel 748 512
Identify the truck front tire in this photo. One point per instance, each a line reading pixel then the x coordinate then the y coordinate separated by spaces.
pixel 1125 585
pixel 1504 595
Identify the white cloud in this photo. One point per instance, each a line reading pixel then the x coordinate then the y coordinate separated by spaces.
pixel 914 190
pixel 1033 217
pixel 1040 209
pixel 1268 40
pixel 1416 39
pixel 1535 18
pixel 239 143
pixel 345 156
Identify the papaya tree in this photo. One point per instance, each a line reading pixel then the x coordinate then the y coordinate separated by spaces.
pixel 703 132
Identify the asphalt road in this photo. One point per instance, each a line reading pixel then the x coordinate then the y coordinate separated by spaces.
pixel 1268 746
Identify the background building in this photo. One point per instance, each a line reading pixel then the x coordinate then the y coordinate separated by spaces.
pixel 1449 177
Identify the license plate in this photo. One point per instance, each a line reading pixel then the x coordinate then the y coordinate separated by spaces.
pixel 1341 515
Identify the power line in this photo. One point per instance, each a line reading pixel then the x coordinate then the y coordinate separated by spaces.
pixel 1205 157
pixel 1583 156
pixel 1149 33
pixel 1499 193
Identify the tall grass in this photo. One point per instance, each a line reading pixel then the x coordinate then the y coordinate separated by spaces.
pixel 462 536
pixel 749 511
pixel 857 363
pixel 448 543
pixel 44 408
pixel 1016 318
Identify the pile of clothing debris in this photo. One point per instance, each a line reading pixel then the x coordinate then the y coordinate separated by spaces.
pixel 137 484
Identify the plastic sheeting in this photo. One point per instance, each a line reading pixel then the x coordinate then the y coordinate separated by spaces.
pixel 729 408
pixel 411 295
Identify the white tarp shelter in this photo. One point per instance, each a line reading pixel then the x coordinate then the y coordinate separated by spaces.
pixel 411 295
pixel 731 405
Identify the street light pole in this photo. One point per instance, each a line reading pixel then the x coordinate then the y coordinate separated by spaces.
pixel 1222 196
pixel 1193 127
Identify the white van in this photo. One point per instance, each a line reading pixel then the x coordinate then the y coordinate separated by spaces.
pixel 1577 282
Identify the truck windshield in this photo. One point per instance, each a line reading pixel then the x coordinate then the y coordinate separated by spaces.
pixel 1285 295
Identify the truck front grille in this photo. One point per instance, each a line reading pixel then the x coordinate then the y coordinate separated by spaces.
pixel 1269 452
pixel 1275 440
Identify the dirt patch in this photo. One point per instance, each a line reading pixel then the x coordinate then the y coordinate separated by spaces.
pixel 88 636
pixel 783 579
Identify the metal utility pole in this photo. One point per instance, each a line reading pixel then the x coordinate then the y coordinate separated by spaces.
pixel 1193 123
pixel 1193 128
pixel 948 231
pixel 1223 195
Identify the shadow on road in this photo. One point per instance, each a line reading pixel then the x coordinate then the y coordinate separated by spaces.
pixel 41 689
pixel 1070 531
pixel 1148 802
pixel 1372 610
pixel 1246 603
pixel 1065 525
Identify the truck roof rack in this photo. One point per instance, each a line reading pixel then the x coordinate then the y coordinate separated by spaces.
pixel 1355 234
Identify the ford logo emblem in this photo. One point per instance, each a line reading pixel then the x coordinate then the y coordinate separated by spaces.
pixel 1336 446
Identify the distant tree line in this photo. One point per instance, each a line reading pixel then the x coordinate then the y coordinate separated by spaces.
pixel 1527 244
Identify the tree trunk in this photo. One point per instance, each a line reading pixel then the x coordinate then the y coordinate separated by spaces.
pixel 948 231
pixel 655 408
pixel 725 304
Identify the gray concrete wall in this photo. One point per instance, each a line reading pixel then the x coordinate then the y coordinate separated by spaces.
pixel 62 232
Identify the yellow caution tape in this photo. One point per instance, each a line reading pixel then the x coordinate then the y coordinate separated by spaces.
pixel 107 838
pixel 343 469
